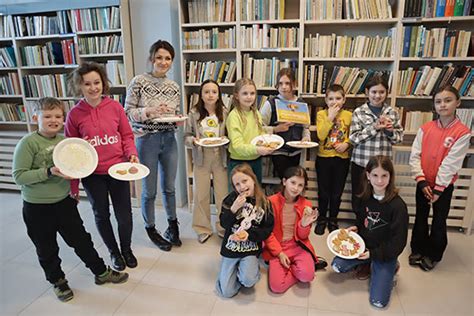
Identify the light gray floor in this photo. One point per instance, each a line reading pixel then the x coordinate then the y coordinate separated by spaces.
pixel 181 282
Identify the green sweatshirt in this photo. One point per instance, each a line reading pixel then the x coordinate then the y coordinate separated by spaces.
pixel 241 134
pixel 33 156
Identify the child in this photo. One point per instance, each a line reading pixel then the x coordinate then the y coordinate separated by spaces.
pixel 102 122
pixel 286 156
pixel 47 207
pixel 150 95
pixel 332 163
pixel 374 129
pixel 243 124
pixel 382 221
pixel 437 154
pixel 207 119
pixel 247 218
pixel 288 249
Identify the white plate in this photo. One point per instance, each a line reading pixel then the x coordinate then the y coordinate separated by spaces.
pixel 269 138
pixel 357 238
pixel 142 171
pixel 216 141
pixel 75 157
pixel 170 119
pixel 300 144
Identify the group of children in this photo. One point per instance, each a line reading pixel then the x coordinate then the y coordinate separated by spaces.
pixel 278 227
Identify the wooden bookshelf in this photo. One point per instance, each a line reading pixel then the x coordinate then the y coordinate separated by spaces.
pixel 295 13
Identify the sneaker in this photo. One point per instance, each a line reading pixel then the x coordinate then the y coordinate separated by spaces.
pixel 130 259
pixel 202 238
pixel 156 238
pixel 414 259
pixel 427 264
pixel 362 272
pixel 172 233
pixel 117 261
pixel 321 264
pixel 63 291
pixel 111 276
pixel 320 227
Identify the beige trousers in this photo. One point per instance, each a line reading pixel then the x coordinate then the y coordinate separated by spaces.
pixel 212 165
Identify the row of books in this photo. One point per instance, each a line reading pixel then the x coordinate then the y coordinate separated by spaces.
pixel 115 72
pixel 5 29
pixel 437 8
pixel 194 98
pixel 95 19
pixel 418 41
pixel 317 77
pixel 426 80
pixel 53 85
pixel 264 36
pixel 209 39
pixel 413 120
pixel 205 11
pixel 100 44
pixel 10 112
pixel 220 71
pixel 262 10
pixel 317 45
pixel 349 9
pixel 264 71
pixel 10 84
pixel 50 53
pixel 37 25
pixel 466 116
pixel 7 57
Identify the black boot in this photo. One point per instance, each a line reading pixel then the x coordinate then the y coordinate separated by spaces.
pixel 320 225
pixel 156 238
pixel 172 233
pixel 332 224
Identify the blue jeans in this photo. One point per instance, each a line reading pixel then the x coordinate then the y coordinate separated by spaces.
pixel 158 150
pixel 235 273
pixel 381 277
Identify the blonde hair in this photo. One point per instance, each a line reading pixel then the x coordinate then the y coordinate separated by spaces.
pixel 239 84
pixel 260 198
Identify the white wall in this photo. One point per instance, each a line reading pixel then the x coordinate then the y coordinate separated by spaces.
pixel 152 20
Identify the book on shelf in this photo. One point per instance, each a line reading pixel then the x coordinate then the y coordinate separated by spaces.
pixel 7 57
pixel 466 116
pixel 338 46
pixel 262 10
pixel 437 8
pixel 292 111
pixel 206 11
pixel 413 120
pixel 220 71
pixel 209 39
pixel 262 36
pixel 115 72
pixel 261 99
pixel 95 19
pixel 100 44
pixel 264 71
pixel 51 53
pixel 52 85
pixel 5 26
pixel 40 25
pixel 10 112
pixel 10 84
pixel 348 9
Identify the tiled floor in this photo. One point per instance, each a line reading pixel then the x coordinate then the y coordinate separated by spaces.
pixel 181 282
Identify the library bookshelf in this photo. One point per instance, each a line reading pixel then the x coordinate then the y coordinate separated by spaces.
pixel 94 31
pixel 254 46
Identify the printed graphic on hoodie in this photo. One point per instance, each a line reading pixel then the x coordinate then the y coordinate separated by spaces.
pixel 373 220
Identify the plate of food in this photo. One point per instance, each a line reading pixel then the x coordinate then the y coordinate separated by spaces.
pixel 128 171
pixel 75 157
pixel 170 118
pixel 212 141
pixel 345 244
pixel 302 144
pixel 268 140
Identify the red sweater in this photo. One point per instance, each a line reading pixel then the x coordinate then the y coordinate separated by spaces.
pixel 272 246
pixel 106 128
pixel 438 152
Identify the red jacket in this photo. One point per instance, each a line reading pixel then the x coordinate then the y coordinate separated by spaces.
pixel 272 246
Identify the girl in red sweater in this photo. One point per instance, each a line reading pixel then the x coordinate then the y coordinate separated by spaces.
pixel 288 249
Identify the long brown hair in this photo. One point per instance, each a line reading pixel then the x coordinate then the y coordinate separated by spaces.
pixel 260 198
pixel 83 69
pixel 386 164
pixel 239 84
pixel 199 106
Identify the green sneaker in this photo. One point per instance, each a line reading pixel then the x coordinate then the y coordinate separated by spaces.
pixel 111 276
pixel 63 291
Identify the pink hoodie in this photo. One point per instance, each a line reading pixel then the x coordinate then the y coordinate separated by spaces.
pixel 106 128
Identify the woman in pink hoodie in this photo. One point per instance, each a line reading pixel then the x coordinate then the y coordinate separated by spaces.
pixel 102 122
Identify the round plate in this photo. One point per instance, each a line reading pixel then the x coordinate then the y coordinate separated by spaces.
pixel 121 171
pixel 267 140
pixel 75 157
pixel 212 141
pixel 358 241
pixel 300 144
pixel 170 119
